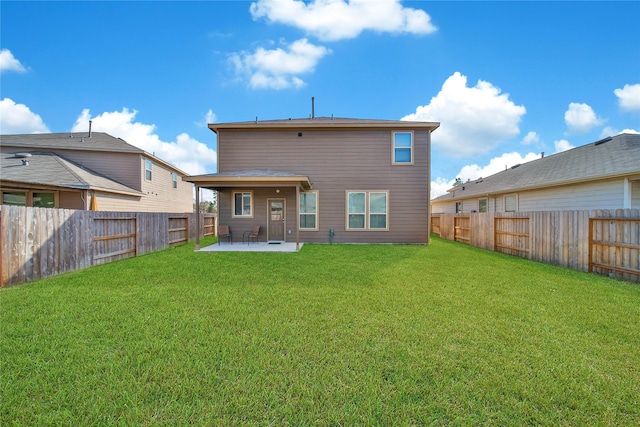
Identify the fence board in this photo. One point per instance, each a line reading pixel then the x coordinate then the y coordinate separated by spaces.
pixel 40 242
pixel 571 239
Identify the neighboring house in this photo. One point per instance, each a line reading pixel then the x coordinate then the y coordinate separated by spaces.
pixel 324 179
pixel 601 175
pixel 88 171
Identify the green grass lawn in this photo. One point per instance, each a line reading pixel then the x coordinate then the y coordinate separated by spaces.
pixel 332 335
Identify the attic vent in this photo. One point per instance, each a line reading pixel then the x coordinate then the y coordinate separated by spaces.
pixel 479 180
pixel 515 166
pixel 22 155
pixel 603 140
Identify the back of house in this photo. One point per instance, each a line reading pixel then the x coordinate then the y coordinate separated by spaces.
pixel 324 179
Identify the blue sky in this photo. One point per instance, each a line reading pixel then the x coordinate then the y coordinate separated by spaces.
pixel 507 80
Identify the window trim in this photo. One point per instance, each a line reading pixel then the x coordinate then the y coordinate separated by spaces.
pixel 233 203
pixel 393 148
pixel 515 198
pixel 174 180
pixel 486 200
pixel 29 196
pixel 148 162
pixel 367 210
pixel 316 213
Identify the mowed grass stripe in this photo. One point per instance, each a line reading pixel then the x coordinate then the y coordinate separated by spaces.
pixel 332 335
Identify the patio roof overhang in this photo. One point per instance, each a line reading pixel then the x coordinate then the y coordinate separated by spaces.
pixel 251 178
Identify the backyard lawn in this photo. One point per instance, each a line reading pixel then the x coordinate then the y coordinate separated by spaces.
pixel 332 335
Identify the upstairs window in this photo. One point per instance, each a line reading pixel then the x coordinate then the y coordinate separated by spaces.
pixel 458 207
pixel 243 204
pixel 147 169
pixel 402 148
pixel 174 180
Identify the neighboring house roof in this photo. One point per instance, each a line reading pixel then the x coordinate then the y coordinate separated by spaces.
pixel 324 122
pixel 608 158
pixel 253 176
pixel 77 141
pixel 50 169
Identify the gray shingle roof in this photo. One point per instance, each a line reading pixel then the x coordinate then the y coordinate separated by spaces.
pixel 50 169
pixel 616 156
pixel 255 173
pixel 99 141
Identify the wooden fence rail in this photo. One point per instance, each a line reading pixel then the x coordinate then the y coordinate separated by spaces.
pixel 606 242
pixel 37 242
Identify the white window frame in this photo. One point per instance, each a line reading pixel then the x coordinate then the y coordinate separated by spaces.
pixel 174 180
pixel 486 204
pixel 461 205
pixel 316 214
pixel 148 169
pixel 367 210
pixel 515 201
pixel 411 148
pixel 233 204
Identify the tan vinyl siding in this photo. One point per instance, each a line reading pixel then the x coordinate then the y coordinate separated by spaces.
pixel 607 194
pixel 336 161
pixel 159 194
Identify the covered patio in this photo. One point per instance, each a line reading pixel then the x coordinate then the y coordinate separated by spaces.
pixel 270 189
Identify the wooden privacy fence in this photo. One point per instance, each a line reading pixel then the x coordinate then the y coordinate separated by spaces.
pixel 606 242
pixel 39 242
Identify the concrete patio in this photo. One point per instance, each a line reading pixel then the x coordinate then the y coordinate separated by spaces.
pixel 252 247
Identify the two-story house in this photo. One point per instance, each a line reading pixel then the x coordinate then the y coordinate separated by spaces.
pixel 91 170
pixel 324 179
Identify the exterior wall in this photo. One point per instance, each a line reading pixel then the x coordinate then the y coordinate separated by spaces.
pixel 71 200
pixel 337 161
pixel 159 194
pixel 604 194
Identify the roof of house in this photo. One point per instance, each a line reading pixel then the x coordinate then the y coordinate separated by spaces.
pixel 49 169
pixel 606 158
pixel 324 122
pixel 77 141
pixel 259 176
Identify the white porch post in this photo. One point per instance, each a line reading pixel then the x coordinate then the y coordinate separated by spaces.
pixel 297 218
pixel 197 217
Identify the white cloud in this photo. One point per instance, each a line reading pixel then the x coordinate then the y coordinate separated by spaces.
pixel 562 145
pixel 18 118
pixel 530 138
pixel 278 68
pixel 628 97
pixel 209 117
pixel 474 171
pixel 580 118
pixel 474 120
pixel 9 63
pixel 185 153
pixel 609 131
pixel 332 20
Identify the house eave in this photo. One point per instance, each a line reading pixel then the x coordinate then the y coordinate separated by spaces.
pixel 324 124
